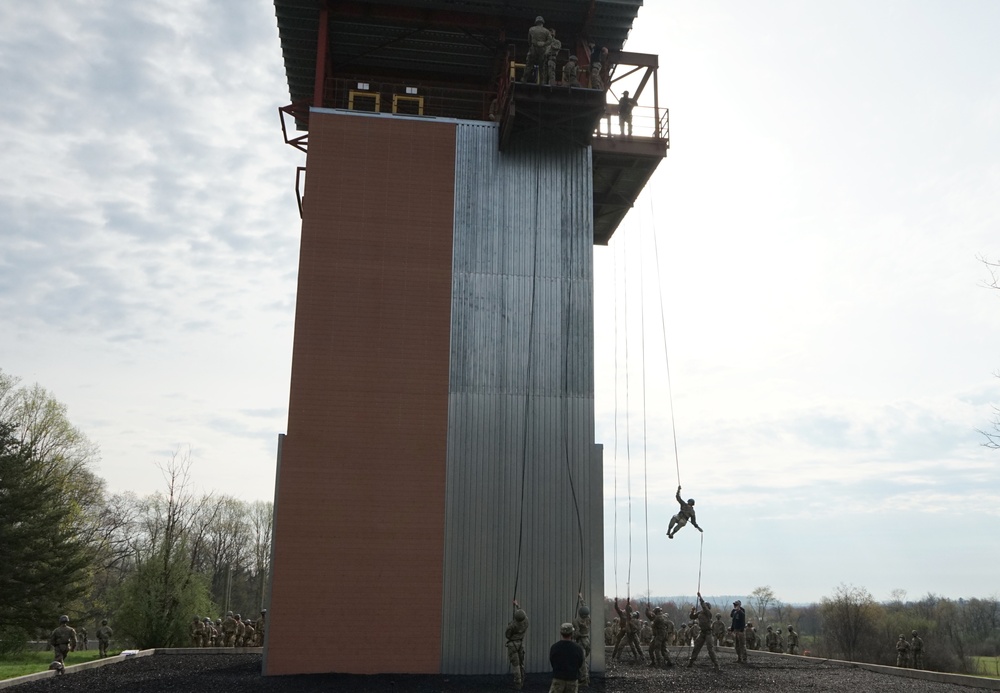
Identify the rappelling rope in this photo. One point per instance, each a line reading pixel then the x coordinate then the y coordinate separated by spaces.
pixel 645 476
pixel 614 283
pixel 666 355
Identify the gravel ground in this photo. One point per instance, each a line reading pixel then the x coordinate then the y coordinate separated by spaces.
pixel 241 673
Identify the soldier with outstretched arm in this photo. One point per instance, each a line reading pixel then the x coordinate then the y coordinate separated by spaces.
pixel 683 516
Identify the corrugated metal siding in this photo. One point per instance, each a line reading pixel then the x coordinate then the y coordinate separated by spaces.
pixel 521 402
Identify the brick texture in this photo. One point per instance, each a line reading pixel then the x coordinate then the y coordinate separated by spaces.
pixel 359 530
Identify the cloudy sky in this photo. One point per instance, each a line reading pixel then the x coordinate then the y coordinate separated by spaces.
pixel 811 244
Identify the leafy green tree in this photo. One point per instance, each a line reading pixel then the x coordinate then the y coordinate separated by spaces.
pixel 45 561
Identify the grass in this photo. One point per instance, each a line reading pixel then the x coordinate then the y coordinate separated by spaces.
pixel 987 666
pixel 30 662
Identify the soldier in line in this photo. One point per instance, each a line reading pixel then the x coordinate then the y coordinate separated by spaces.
pixel 902 652
pixel 738 627
pixel 62 640
pixel 625 106
pixel 793 640
pixel 718 629
pixel 704 616
pixel 598 58
pixel 539 39
pixel 81 635
pixel 250 635
pixel 609 634
pixel 682 635
pixel 683 516
pixel 662 630
pixel 581 636
pixel 917 651
pixel 197 632
pixel 753 639
pixel 514 634
pixel 104 634
pixel 240 630
pixel 229 630
pixel 211 635
pixel 771 640
pixel 646 632
pixel 781 640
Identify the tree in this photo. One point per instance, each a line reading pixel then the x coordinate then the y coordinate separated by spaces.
pixel 850 620
pixel 163 594
pixel 45 561
pixel 759 600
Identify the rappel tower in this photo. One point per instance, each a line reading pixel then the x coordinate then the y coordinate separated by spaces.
pixel 440 459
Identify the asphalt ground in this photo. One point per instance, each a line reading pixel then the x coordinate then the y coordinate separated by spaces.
pixel 240 673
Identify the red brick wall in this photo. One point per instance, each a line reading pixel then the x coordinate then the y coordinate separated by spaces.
pixel 359 531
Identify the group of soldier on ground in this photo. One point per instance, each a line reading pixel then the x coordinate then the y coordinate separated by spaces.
pixel 569 655
pixel 540 67
pixel 231 631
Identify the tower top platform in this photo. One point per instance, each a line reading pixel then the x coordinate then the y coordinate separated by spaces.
pixel 460 42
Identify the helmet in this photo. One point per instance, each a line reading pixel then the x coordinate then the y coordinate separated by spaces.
pixel 635 614
pixel 539 19
pixel 625 93
pixel 237 617
pixel 104 622
pixel 657 610
pixel 208 620
pixel 572 58
pixel 519 615
pixel 197 618
pixel 769 628
pixel 718 617
pixel 229 613
pixel 690 501
pixel 789 626
pixel 584 611
pixel 902 637
pixel 64 619
pixel 737 603
pixel 218 621
pixel 914 633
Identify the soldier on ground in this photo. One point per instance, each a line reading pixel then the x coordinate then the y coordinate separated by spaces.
pixel 718 629
pixel 793 640
pixel 662 630
pixel 514 634
pixel 81 635
pixel 609 634
pixel 581 636
pixel 902 652
pixel 781 640
pixel 683 516
pixel 738 627
pixel 625 106
pixel 567 660
pixel 104 634
pixel 539 39
pixel 682 635
pixel 197 632
pixel 917 651
pixel 704 616
pixel 241 629
pixel 229 630
pixel 62 640
pixel 622 637
pixel 771 640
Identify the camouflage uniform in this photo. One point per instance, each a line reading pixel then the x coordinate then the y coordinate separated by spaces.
pixel 82 636
pixel 705 637
pixel 793 640
pixel 624 617
pixel 197 632
pixel 551 54
pixel 682 635
pixel 104 634
pixel 753 640
pixel 662 627
pixel 718 629
pixel 229 630
pixel 609 634
pixel 539 39
pixel 902 652
pixel 515 644
pixel 571 72
pixel 781 641
pixel 771 640
pixel 683 516
pixel 62 639
pixel 581 636
pixel 917 650
pixel 241 629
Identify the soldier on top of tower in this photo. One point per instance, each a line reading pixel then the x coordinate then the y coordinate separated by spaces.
pixel 539 39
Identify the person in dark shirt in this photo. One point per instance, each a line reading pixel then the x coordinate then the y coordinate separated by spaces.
pixel 738 629
pixel 566 658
